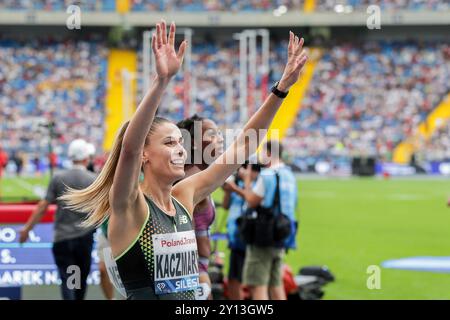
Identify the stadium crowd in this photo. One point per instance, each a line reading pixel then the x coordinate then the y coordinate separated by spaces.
pixel 155 5
pixel 45 82
pixel 363 99
pixel 225 5
pixel 361 5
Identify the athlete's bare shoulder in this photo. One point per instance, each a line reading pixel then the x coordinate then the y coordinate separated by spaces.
pixel 184 197
pixel 125 226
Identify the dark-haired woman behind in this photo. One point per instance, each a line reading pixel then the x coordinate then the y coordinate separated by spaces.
pixel 204 137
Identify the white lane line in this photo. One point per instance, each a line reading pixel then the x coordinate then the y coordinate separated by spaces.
pixel 406 197
pixel 37 190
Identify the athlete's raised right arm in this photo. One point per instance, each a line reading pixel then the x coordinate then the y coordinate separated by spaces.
pixel 124 190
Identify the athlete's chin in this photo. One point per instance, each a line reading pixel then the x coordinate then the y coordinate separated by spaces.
pixel 178 173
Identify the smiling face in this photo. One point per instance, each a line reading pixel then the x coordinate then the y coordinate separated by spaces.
pixel 163 154
pixel 212 143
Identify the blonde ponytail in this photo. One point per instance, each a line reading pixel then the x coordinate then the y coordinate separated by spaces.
pixel 95 198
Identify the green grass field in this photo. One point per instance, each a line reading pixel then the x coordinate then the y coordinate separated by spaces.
pixel 351 224
pixel 16 189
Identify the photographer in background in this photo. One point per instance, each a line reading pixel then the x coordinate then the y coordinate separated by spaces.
pixel 272 200
pixel 234 203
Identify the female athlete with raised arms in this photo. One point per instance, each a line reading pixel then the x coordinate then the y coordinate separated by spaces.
pixel 150 223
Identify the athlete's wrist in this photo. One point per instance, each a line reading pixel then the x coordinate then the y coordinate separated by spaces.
pixel 162 81
pixel 282 86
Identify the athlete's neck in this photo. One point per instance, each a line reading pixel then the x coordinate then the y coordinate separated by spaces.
pixel 161 194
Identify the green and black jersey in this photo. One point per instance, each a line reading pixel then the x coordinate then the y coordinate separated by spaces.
pixel 137 264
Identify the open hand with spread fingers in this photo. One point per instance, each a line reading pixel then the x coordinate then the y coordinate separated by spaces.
pixel 168 62
pixel 296 61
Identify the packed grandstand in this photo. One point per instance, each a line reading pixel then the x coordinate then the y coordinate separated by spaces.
pixel 225 5
pixel 366 96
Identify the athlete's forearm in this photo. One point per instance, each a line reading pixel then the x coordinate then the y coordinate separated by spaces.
pixel 248 141
pixel 264 116
pixel 239 191
pixel 137 130
pixel 261 120
pixel 37 215
pixel 248 195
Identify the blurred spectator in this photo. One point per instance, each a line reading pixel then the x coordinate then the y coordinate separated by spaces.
pixel 3 160
pixel 91 149
pixel 37 165
pixel 18 160
pixel 3 163
pixel 53 160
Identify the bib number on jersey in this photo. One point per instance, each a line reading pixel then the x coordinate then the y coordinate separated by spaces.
pixel 202 292
pixel 175 262
pixel 113 272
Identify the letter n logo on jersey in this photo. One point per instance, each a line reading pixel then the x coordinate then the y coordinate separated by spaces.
pixel 183 219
